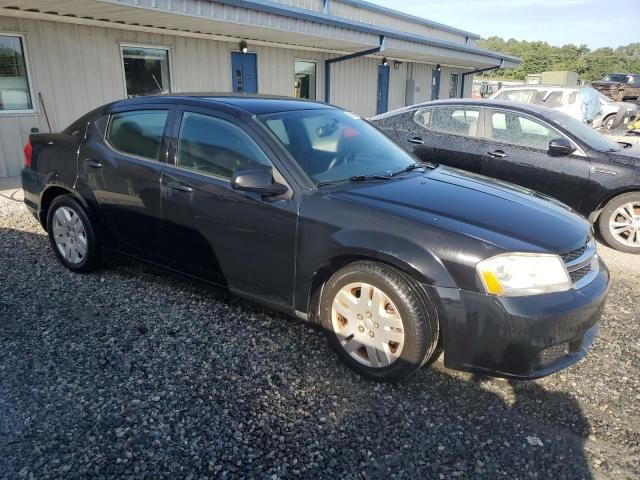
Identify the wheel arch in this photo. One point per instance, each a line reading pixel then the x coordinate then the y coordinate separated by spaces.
pixel 595 215
pixel 424 273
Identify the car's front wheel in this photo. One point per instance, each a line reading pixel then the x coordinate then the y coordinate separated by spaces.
pixel 378 320
pixel 619 223
pixel 72 235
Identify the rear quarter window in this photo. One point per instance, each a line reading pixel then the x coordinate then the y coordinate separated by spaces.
pixel 137 132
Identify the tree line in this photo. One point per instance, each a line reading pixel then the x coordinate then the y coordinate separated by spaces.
pixel 540 57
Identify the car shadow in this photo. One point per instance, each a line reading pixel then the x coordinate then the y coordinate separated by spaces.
pixel 210 385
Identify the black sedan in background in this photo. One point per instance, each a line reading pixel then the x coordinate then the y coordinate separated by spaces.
pixel 536 147
pixel 311 210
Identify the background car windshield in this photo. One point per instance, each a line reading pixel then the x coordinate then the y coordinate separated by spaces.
pixel 332 145
pixel 588 135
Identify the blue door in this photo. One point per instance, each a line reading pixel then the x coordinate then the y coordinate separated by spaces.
pixel 435 83
pixel 244 72
pixel 383 89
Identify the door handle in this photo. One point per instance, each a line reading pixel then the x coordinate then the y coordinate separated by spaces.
pixel 497 154
pixel 93 163
pixel 416 141
pixel 181 187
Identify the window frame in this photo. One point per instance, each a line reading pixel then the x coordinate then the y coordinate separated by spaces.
pixel 316 76
pixel 480 131
pixel 163 150
pixel 169 50
pixel 27 66
pixel 489 110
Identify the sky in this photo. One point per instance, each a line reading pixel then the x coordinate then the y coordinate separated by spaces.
pixel 597 23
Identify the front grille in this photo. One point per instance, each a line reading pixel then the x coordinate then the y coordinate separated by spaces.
pixel 549 355
pixel 572 255
pixel 580 273
pixel 580 264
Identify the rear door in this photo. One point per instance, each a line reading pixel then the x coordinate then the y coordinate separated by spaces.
pixel 240 240
pixel 517 152
pixel 120 164
pixel 449 135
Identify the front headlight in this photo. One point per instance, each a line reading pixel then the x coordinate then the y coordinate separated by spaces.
pixel 522 274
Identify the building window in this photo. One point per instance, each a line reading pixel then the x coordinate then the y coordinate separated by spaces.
pixel 304 85
pixel 146 70
pixel 15 94
pixel 453 85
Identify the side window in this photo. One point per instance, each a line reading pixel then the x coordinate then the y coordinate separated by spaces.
pixel 510 127
pixel 216 147
pixel 276 125
pixel 539 96
pixel 423 117
pixel 455 120
pixel 573 97
pixel 137 132
pixel 554 100
pixel 515 95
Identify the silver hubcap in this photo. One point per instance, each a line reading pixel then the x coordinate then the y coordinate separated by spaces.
pixel 368 325
pixel 624 224
pixel 70 235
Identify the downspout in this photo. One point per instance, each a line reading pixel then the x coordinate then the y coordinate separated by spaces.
pixel 331 61
pixel 480 70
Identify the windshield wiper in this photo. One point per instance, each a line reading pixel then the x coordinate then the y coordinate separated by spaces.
pixel 411 167
pixel 355 178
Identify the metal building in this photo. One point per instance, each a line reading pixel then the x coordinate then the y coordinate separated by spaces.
pixel 61 58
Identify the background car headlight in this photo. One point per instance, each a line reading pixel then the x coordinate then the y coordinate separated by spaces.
pixel 521 274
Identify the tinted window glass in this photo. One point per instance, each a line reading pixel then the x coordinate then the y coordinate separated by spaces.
pixel 453 85
pixel 588 135
pixel 456 120
pixel 332 145
pixel 548 99
pixel 422 117
pixel 216 147
pixel 510 127
pixel 138 132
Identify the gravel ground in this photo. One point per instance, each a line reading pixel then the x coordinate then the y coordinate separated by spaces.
pixel 131 372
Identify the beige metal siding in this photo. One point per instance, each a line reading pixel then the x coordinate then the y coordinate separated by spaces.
pixel 340 9
pixel 422 76
pixel 315 5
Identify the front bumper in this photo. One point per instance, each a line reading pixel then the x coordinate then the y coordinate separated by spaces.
pixel 520 337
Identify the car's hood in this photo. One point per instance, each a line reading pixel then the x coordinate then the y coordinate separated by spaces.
pixel 505 215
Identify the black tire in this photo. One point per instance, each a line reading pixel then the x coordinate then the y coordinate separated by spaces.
pixel 418 316
pixel 606 216
pixel 609 119
pixel 91 260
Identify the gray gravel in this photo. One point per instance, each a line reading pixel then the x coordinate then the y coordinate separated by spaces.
pixel 131 372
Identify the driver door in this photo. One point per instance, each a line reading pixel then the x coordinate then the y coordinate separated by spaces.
pixel 517 152
pixel 239 240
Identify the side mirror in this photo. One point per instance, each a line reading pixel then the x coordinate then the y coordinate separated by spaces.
pixel 257 180
pixel 560 147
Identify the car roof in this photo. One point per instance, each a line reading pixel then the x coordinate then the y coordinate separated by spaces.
pixel 537 87
pixel 508 104
pixel 253 104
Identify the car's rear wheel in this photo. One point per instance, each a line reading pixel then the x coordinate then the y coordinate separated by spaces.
pixel 378 320
pixel 620 223
pixel 72 235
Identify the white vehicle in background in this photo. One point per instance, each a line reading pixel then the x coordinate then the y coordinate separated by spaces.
pixel 565 99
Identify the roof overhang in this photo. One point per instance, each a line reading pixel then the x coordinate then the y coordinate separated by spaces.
pixel 259 21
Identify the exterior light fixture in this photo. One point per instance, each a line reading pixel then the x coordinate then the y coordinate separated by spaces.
pixel 396 65
pixel 244 48
pixel 385 62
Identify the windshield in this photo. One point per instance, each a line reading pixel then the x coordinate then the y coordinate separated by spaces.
pixel 333 145
pixel 588 135
pixel 615 77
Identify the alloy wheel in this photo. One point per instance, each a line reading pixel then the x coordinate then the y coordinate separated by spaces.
pixel 70 235
pixel 368 325
pixel 624 224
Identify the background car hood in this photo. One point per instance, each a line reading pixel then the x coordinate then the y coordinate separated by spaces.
pixel 505 215
pixel 627 156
